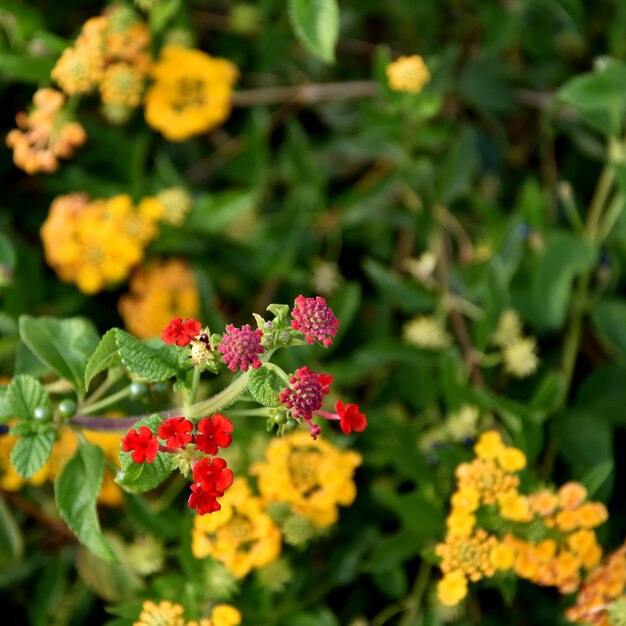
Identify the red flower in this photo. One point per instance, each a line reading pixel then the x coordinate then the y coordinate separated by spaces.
pixel 176 431
pixel 212 479
pixel 179 332
pixel 214 432
pixel 143 444
pixel 350 418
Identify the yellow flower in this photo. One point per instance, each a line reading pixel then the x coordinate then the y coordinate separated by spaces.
pixel 543 503
pixel 520 357
pixel 79 69
pixel 122 84
pixel 408 74
pixel 240 535
pixel 313 477
pixel 460 523
pixel 452 588
pixel 514 507
pixel 225 615
pixel 489 445
pixel 502 557
pixel 466 500
pixel 571 495
pixel 469 555
pixel 45 135
pixel 511 459
pixel 190 94
pixel 426 332
pixel 509 328
pixel 158 292
pixel 487 478
pixel 163 614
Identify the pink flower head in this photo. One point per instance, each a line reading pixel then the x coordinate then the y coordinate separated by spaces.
pixel 176 430
pixel 314 319
pixel 179 332
pixel 144 445
pixel 212 478
pixel 213 433
pixel 350 418
pixel 241 347
pixel 306 393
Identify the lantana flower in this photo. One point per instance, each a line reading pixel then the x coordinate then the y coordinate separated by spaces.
pixel 213 433
pixel 314 319
pixel 144 445
pixel 176 431
pixel 179 332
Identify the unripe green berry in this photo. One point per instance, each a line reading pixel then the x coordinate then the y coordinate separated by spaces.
pixel 42 414
pixel 67 408
pixel 138 390
pixel 161 388
pixel 290 425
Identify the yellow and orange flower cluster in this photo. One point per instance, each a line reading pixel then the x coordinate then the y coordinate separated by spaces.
pixel 44 135
pixel 158 292
pixel 602 586
pixel 308 479
pixel 168 613
pixel 96 243
pixel 313 478
pixel 111 54
pixel 241 535
pixel 62 451
pixel 565 520
pixel 191 92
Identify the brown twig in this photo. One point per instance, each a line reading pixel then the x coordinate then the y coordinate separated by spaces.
pixel 37 514
pixel 456 318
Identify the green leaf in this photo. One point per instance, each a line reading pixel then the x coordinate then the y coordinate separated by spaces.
pixel 112 582
pixel 213 213
pixel 76 492
pixel 63 345
pixel 598 96
pixel 153 364
pixel 104 356
pixel 11 542
pixel 24 395
pixel 609 318
pixel 597 476
pixel 316 24
pixel 261 384
pixel 31 452
pixel 25 68
pixel 140 477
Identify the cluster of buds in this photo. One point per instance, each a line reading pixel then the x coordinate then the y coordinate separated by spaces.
pixel 192 453
pixel 44 135
pixel 245 350
pixel 546 537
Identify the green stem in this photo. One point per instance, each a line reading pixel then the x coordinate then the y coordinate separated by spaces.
pixel 414 601
pixel 260 412
pixel 280 372
pixel 221 400
pixel 193 393
pixel 112 377
pixel 112 399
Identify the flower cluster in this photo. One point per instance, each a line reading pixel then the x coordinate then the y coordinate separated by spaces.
pixel 167 613
pixel 95 243
pixel 314 319
pixel 111 54
pixel 190 94
pixel 241 535
pixel 519 353
pixel 157 292
pixel 408 74
pixel 546 537
pixel 211 476
pixel 602 586
pixel 240 347
pixel 44 135
pixel 312 478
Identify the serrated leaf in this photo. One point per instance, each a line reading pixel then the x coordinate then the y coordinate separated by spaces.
pixel 24 395
pixel 261 386
pixel 104 356
pixel 316 24
pixel 76 493
pixel 141 477
pixel 153 364
pixel 31 452
pixel 63 345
